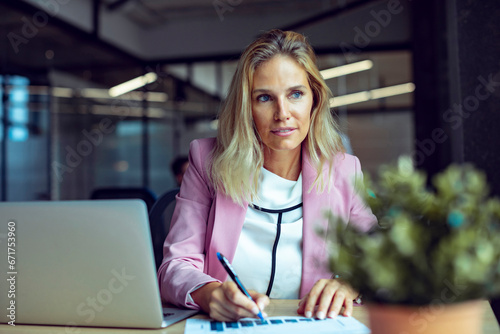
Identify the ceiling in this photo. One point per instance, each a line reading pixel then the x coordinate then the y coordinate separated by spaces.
pixel 193 43
pixel 57 45
pixel 154 13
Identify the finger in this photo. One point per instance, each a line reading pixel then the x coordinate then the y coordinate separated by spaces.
pixel 218 307
pixel 348 307
pixel 325 301
pixel 338 301
pixel 239 302
pixel 313 297
pixel 220 316
pixel 223 308
pixel 260 299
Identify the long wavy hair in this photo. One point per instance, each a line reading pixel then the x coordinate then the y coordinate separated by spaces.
pixel 238 156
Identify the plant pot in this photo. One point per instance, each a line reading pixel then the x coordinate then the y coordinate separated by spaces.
pixel 436 318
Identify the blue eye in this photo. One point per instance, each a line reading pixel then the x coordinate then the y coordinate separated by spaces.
pixel 297 94
pixel 263 98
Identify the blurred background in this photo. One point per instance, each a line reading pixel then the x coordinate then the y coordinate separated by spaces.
pixel 420 78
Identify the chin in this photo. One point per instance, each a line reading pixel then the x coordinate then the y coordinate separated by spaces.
pixel 284 148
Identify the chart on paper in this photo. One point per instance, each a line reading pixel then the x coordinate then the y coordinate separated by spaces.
pixel 275 325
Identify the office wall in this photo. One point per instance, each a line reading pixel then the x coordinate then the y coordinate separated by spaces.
pixel 24 140
pixel 93 151
pixel 380 138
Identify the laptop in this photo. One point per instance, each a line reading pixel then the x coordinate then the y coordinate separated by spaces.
pixel 80 263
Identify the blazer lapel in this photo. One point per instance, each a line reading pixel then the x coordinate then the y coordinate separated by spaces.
pixel 227 225
pixel 314 255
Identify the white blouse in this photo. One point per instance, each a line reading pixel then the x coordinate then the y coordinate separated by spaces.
pixel 254 253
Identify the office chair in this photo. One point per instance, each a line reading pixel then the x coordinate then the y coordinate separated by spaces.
pixel 159 221
pixel 495 306
pixel 145 194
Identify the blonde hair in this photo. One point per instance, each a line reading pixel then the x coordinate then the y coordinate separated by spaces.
pixel 237 157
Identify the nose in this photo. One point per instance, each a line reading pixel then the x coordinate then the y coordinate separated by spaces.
pixel 282 111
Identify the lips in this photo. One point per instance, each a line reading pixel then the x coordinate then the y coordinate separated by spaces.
pixel 282 130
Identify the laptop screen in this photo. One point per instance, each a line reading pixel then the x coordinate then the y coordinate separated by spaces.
pixel 85 263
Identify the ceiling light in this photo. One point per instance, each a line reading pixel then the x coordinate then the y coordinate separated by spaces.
pixel 344 100
pixel 346 69
pixel 62 92
pixel 133 84
pixel 392 90
pixel 97 93
pixel 372 94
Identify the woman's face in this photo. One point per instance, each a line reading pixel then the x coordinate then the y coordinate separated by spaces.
pixel 282 101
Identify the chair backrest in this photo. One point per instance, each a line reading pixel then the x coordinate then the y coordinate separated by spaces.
pixel 159 220
pixel 145 194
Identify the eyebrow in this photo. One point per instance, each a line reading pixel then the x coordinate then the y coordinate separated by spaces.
pixel 263 90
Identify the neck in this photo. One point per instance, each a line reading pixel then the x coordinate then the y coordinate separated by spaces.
pixel 285 164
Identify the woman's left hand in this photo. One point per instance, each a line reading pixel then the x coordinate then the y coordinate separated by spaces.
pixel 329 295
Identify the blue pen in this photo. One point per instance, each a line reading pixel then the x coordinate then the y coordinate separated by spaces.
pixel 232 274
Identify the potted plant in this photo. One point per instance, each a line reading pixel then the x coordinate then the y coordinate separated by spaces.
pixel 434 254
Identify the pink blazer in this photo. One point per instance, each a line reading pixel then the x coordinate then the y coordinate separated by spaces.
pixel 205 222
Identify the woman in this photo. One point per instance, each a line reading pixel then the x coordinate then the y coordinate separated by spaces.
pixel 257 193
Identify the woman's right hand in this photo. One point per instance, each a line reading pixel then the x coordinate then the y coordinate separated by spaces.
pixel 225 302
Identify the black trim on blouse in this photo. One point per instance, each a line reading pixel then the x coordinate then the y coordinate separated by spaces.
pixel 276 240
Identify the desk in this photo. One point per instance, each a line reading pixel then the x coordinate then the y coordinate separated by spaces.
pixel 276 308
